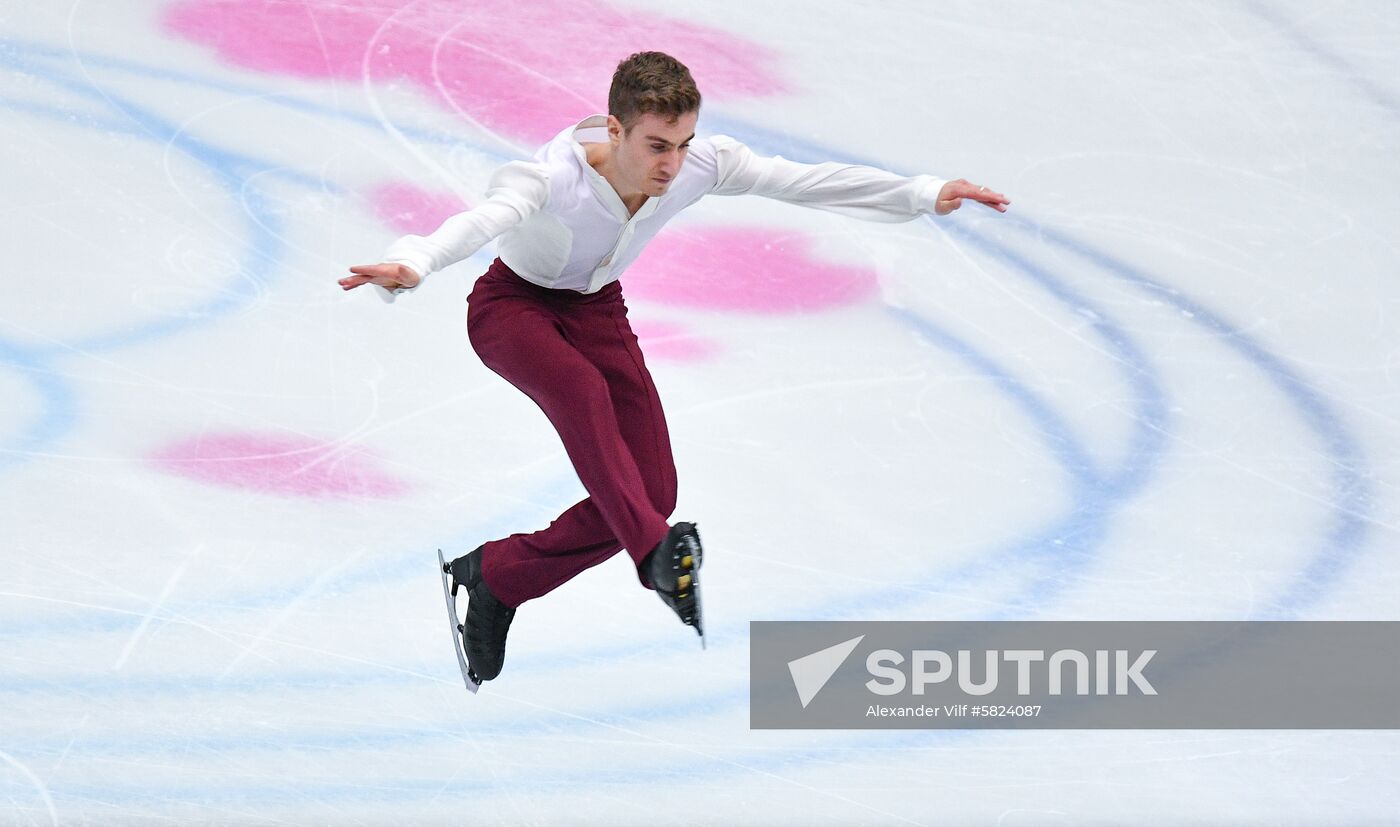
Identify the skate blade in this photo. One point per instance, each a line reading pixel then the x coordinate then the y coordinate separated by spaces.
pixel 699 614
pixel 454 628
pixel 698 621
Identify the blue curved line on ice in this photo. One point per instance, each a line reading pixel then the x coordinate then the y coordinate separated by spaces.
pixel 1351 500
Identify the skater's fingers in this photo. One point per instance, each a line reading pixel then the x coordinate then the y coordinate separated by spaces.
pixel 992 199
pixel 385 270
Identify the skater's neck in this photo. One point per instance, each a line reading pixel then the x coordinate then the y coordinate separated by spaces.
pixel 600 157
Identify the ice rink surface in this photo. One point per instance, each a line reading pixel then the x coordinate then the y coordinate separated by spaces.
pixel 1165 385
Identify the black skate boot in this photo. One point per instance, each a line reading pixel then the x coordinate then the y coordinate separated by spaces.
pixel 673 568
pixel 483 633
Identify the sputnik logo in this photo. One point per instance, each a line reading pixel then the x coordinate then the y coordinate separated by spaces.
pixel 811 672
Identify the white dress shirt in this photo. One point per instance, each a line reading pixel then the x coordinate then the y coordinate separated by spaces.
pixel 562 225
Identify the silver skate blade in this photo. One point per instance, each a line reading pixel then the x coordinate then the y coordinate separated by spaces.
pixel 452 624
pixel 699 613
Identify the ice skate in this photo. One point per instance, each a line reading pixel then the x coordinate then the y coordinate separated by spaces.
pixel 673 568
pixel 482 634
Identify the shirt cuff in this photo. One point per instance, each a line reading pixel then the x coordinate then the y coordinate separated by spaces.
pixel 928 193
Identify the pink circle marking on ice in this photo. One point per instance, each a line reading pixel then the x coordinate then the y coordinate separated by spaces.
pixel 673 342
pixel 411 209
pixel 753 270
pixel 527 69
pixel 278 464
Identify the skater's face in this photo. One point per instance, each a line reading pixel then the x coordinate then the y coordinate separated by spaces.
pixel 649 155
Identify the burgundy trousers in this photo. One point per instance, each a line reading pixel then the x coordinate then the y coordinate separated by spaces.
pixel 575 355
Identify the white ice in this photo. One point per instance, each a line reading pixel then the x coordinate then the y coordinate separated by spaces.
pixel 1163 386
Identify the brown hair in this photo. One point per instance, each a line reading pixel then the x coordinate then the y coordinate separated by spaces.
pixel 651 82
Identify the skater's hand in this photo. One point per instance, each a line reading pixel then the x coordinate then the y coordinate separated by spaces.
pixel 384 275
pixel 953 193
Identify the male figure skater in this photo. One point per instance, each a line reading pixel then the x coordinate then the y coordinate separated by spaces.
pixel 548 316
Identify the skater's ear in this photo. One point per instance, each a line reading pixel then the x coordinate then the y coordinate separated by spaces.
pixel 615 130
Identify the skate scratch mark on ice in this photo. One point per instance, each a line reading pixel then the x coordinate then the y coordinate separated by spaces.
pixel 371 94
pixel 35 780
pixel 549 82
pixel 324 577
pixel 155 607
pixel 72 739
pixel 167 616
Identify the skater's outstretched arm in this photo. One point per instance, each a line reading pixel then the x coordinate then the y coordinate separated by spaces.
pixel 860 191
pixel 517 191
